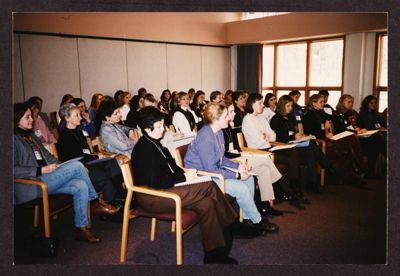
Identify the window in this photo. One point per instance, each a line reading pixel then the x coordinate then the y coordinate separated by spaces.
pixel 307 66
pixel 381 91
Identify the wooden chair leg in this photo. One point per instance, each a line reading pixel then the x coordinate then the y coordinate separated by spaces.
pixel 125 227
pixel 153 229
pixel 36 216
pixel 271 203
pixel 179 241
pixel 46 217
pixel 322 177
pixel 89 216
pixel 241 215
pixel 173 226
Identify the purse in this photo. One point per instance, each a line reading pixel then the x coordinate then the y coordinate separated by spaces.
pixel 43 247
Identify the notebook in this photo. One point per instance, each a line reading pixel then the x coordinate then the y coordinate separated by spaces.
pixel 196 180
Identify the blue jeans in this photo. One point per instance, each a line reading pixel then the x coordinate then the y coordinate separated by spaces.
pixel 72 179
pixel 243 191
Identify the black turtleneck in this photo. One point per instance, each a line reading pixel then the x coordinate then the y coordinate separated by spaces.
pixel 153 165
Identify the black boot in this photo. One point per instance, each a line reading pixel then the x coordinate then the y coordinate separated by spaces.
pixel 218 256
pixel 266 210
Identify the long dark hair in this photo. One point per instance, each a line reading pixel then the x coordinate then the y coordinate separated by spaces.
pixel 280 107
pixel 366 101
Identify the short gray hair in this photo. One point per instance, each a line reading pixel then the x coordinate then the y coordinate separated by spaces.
pixel 66 109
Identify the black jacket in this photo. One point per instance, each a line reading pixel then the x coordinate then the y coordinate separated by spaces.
pixel 282 126
pixel 153 165
pixel 313 120
pixel 71 144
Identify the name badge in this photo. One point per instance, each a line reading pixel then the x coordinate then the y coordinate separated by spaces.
pixel 230 146
pixel 298 118
pixel 86 151
pixel 322 126
pixel 85 133
pixel 327 110
pixel 38 155
pixel 377 125
pixel 38 133
pixel 291 133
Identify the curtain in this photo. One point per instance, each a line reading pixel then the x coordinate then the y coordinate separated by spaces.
pixel 249 68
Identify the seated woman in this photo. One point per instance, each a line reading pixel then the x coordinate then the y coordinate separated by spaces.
pixel 72 144
pixel 132 118
pixel 124 99
pixel 153 166
pixel 164 106
pixel 369 115
pixel 185 119
pixel 216 97
pixel 266 171
pixel 198 105
pixel 97 98
pixel 258 135
pixel 344 154
pixel 309 151
pixel 206 153
pixel 239 101
pixel 348 119
pixel 32 160
pixel 270 106
pixel 116 138
pixel 40 127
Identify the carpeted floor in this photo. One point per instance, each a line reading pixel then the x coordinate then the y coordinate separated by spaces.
pixel 344 225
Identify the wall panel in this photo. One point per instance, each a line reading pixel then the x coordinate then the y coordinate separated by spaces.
pixel 147 67
pixel 184 67
pixel 102 66
pixel 50 66
pixel 215 69
pixel 18 91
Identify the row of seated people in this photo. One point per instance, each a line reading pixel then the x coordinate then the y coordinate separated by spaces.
pixel 203 154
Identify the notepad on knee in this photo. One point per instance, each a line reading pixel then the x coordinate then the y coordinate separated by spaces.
pixel 196 180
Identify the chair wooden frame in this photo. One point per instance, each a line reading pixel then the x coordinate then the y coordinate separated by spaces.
pixel 45 199
pixel 131 188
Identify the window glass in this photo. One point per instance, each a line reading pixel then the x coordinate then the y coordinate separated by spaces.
pixel 291 66
pixel 326 63
pixel 383 62
pixel 383 101
pixel 268 66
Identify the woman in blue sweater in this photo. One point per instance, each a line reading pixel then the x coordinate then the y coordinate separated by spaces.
pixel 207 153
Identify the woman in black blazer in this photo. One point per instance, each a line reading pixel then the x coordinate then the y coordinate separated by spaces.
pixel 72 144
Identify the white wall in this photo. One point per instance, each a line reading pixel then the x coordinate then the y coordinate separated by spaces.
pixel 53 66
pixel 359 66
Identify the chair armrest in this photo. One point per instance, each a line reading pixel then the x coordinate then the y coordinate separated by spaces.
pixel 278 143
pixel 39 183
pixel 160 193
pixel 217 175
pixel 251 150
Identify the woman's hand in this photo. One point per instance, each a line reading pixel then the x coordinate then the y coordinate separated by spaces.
pixel 49 168
pixel 101 156
pixel 133 136
pixel 361 131
pixel 178 135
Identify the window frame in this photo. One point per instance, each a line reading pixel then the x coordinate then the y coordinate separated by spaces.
pixel 377 89
pixel 307 88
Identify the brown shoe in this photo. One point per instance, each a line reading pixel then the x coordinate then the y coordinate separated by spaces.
pixel 100 207
pixel 85 234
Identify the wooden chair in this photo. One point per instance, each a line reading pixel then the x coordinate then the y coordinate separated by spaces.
pixel 180 155
pixel 52 204
pixel 184 219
